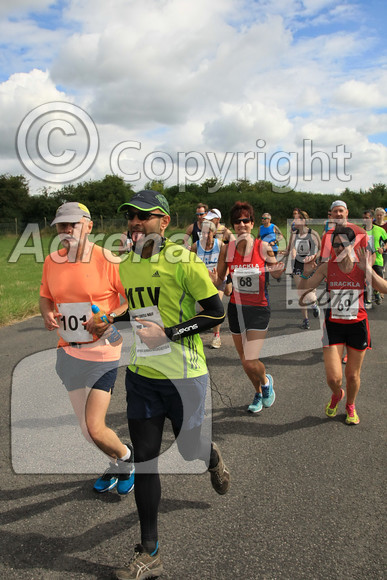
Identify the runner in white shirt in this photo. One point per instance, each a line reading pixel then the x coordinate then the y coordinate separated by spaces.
pixel 208 250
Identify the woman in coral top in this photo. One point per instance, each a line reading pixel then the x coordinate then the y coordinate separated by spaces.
pixel 346 322
pixel 249 311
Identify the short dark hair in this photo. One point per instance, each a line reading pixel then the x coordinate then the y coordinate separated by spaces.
pixel 238 208
pixel 343 231
pixel 370 211
pixel 202 205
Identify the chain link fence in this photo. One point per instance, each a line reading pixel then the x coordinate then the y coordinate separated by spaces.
pixel 109 225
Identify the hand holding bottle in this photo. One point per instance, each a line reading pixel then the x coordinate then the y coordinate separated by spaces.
pixel 111 333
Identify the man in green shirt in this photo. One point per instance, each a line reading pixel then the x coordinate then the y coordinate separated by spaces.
pixel 167 374
pixel 377 238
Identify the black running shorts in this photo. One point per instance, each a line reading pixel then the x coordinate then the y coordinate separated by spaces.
pixel 356 335
pixel 243 318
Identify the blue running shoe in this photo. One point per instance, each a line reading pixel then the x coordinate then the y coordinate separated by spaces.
pixel 256 405
pixel 268 393
pixel 108 480
pixel 126 482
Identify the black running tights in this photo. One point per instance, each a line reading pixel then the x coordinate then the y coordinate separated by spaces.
pixel 146 436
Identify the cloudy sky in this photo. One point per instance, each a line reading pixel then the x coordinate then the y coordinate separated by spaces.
pixel 290 91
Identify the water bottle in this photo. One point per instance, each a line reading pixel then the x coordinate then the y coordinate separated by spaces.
pixel 111 334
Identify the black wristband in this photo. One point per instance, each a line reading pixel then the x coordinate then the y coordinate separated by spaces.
pixel 172 333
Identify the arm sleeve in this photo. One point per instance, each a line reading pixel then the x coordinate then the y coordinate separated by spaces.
pixel 124 317
pixel 211 315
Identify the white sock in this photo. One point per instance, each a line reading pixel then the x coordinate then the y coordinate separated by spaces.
pixel 127 455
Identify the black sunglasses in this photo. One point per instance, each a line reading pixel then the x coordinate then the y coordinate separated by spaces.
pixel 242 221
pixel 200 213
pixel 142 215
pixel 341 244
pixel 71 224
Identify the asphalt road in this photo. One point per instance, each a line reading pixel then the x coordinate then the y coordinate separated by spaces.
pixel 306 500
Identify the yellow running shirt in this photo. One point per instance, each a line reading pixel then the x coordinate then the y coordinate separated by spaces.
pixel 165 289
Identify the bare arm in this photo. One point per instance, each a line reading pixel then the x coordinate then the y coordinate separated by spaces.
pixel 188 233
pixel 311 261
pixel 311 283
pixel 48 312
pixel 279 234
pixel 228 236
pixel 378 283
pixel 289 246
pixel 221 266
pixel 272 265
pixel 365 264
pixel 317 277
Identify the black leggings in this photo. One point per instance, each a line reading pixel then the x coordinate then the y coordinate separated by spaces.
pixel 146 436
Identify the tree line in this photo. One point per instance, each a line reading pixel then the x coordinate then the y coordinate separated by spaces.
pixel 104 196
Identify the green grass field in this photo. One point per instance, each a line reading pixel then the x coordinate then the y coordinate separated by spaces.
pixel 19 283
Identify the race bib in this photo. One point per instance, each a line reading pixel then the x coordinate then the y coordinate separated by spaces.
pixel 211 265
pixel 151 314
pixel 344 304
pixel 73 314
pixel 302 247
pixel 246 280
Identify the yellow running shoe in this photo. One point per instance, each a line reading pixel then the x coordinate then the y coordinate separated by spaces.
pixel 331 408
pixel 352 417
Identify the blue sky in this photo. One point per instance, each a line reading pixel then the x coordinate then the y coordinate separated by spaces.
pixel 205 77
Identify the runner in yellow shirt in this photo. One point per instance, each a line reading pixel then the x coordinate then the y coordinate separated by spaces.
pixel 167 374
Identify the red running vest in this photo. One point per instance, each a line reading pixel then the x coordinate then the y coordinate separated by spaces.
pixel 248 276
pixel 346 293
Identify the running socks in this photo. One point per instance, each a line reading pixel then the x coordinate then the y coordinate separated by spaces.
pixel 127 455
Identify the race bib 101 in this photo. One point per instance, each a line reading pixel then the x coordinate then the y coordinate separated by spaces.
pixel 73 314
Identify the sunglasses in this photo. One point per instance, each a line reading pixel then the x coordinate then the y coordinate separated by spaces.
pixel 63 225
pixel 143 216
pixel 201 213
pixel 242 221
pixel 265 218
pixel 341 244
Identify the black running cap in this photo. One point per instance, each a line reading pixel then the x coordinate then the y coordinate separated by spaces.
pixel 147 200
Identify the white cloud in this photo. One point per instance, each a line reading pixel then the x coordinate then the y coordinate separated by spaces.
pixel 207 76
pixel 22 6
pixel 361 95
pixel 18 96
pixel 239 126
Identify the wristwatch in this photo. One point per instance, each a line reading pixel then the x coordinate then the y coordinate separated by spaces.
pixel 113 315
